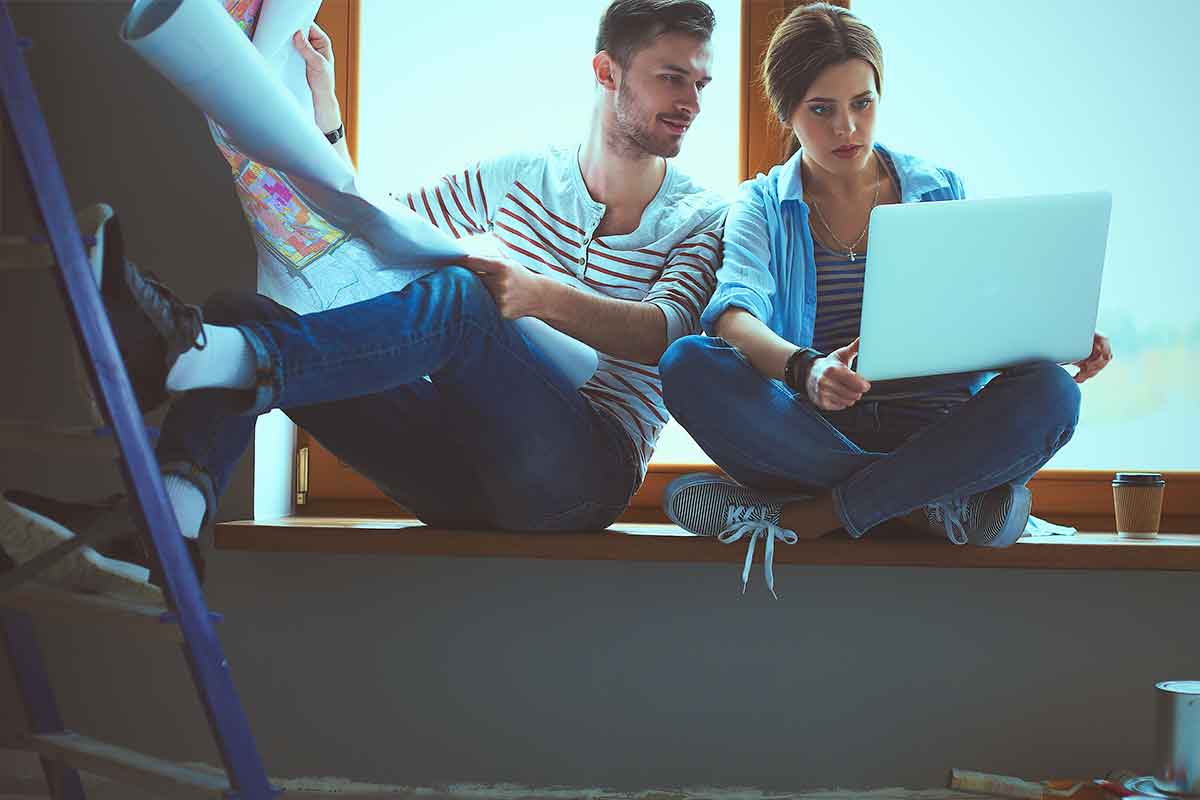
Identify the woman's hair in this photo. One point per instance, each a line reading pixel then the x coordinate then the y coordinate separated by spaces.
pixel 810 39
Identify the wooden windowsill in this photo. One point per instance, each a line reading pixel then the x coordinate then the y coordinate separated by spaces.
pixel 667 543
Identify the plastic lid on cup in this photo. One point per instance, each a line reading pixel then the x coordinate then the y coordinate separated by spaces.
pixel 1139 479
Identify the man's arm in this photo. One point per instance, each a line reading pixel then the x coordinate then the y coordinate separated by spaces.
pixel 626 329
pixel 632 330
pixel 317 51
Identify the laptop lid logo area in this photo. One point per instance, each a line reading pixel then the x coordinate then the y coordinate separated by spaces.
pixel 974 285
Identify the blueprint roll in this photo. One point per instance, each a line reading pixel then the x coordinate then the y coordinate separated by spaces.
pixel 197 47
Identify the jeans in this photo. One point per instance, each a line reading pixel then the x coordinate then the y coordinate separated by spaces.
pixel 881 459
pixel 430 394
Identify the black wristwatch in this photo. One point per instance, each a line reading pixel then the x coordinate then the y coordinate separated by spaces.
pixel 335 136
pixel 795 372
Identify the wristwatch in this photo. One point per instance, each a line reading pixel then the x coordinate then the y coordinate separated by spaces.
pixel 335 136
pixel 795 372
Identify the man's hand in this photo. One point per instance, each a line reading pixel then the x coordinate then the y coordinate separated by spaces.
pixel 518 292
pixel 1100 356
pixel 831 384
pixel 317 51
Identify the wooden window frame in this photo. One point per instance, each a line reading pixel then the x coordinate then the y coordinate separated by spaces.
pixel 1081 498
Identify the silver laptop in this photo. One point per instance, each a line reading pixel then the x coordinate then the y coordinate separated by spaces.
pixel 969 285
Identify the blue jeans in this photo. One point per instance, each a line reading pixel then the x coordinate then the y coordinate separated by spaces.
pixel 430 394
pixel 881 459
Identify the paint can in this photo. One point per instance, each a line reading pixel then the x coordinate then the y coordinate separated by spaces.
pixel 1177 738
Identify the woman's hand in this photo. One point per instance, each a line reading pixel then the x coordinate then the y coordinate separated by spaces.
pixel 1100 356
pixel 317 51
pixel 831 384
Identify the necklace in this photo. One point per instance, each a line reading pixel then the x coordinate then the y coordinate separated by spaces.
pixel 849 248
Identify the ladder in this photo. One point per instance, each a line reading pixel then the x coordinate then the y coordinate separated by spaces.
pixel 186 618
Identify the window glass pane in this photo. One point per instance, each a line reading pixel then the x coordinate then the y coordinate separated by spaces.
pixel 1036 97
pixel 464 80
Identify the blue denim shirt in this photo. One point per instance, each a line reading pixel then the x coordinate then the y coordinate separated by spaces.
pixel 768 267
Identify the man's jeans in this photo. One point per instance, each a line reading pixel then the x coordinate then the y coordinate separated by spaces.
pixel 881 459
pixel 430 394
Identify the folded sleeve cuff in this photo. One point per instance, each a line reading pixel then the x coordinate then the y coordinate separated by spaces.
pixel 723 300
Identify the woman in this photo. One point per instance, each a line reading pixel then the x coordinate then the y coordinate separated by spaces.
pixel 771 393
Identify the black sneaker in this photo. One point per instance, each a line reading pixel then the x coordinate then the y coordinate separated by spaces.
pixel 127 545
pixel 152 326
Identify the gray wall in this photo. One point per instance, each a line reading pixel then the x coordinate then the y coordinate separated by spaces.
pixel 629 675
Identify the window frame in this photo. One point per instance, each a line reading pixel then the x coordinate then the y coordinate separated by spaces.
pixel 1077 497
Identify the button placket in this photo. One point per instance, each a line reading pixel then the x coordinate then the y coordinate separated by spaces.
pixel 587 242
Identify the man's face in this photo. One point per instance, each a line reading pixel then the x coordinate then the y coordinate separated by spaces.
pixel 658 95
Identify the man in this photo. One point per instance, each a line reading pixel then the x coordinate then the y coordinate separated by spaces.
pixel 431 392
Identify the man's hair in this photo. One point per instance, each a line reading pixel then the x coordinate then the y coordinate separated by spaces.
pixel 628 26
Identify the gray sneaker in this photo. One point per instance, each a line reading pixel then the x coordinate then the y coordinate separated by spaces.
pixel 712 505
pixel 995 518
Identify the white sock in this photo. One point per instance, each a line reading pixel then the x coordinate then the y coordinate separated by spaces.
pixel 226 362
pixel 188 502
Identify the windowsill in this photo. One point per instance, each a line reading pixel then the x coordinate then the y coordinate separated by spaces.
pixel 628 541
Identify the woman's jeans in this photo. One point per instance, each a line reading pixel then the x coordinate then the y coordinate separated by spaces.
pixel 430 394
pixel 881 459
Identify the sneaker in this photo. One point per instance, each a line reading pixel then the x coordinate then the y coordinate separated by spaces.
pixel 712 505
pixel 127 551
pixel 995 518
pixel 151 325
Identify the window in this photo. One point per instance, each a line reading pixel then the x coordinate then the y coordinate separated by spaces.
pixel 1035 97
pixel 956 91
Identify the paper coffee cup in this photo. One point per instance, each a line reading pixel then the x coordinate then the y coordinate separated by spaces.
pixel 1137 497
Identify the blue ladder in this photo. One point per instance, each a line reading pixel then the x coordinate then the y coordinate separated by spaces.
pixel 62 751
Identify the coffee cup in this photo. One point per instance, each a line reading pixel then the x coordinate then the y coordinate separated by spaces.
pixel 1138 497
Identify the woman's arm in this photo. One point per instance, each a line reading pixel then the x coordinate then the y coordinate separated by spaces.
pixel 766 350
pixel 830 383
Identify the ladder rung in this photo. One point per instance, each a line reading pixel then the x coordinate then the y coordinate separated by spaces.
pixel 127 766
pixel 15 433
pixel 48 602
pixel 18 434
pixel 18 253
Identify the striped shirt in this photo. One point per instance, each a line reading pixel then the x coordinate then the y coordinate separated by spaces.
pixel 536 207
pixel 840 288
pixel 839 298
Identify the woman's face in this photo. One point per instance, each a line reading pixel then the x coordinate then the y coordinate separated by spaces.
pixel 835 122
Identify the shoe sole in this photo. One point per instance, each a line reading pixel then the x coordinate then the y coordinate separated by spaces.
pixel 694 510
pixel 24 534
pixel 1015 520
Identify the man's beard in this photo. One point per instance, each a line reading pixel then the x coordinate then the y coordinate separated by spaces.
pixel 635 137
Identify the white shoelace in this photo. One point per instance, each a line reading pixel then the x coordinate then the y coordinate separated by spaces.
pixel 952 515
pixel 756 528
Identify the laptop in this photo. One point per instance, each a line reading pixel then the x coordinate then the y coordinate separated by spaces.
pixel 973 285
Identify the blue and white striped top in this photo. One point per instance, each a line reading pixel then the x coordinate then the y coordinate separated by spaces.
pixel 839 298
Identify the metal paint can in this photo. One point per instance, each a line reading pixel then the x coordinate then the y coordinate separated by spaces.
pixel 1177 737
